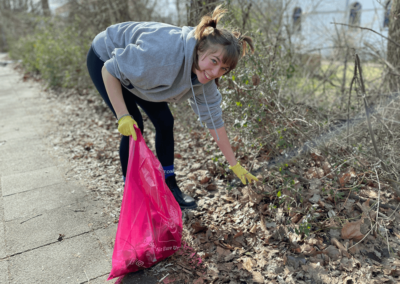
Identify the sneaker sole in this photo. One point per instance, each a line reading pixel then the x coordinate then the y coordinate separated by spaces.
pixel 188 207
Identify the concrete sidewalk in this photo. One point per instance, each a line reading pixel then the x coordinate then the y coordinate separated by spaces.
pixel 37 203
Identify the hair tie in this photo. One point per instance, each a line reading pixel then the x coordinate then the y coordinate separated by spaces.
pixel 213 23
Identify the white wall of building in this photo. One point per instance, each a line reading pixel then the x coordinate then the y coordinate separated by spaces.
pixel 318 32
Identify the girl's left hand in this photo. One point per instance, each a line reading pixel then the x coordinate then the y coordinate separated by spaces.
pixel 242 173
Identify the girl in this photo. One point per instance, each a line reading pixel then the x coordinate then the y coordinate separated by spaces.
pixel 151 64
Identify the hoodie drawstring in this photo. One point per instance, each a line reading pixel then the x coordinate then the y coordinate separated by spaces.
pixel 194 97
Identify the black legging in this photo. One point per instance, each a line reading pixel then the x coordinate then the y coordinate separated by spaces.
pixel 159 114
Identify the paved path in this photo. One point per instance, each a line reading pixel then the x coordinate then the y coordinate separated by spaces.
pixel 37 203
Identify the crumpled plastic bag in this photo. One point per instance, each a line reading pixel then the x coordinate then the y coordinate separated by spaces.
pixel 150 223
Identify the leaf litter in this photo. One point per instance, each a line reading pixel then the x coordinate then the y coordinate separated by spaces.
pixel 304 231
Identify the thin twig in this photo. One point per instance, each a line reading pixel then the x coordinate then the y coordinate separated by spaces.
pixel 342 89
pixel 163 277
pixel 394 211
pixel 370 126
pixel 379 196
pixel 348 104
pixel 360 240
pixel 352 26
pixel 384 125
pixel 377 210
pixel 86 276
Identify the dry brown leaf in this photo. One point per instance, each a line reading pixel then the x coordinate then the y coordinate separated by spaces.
pixel 253 230
pixel 297 250
pixel 199 281
pixel 240 233
pixel 370 193
pixel 308 250
pixel 191 176
pixel 366 204
pixel 250 195
pixel 265 209
pixel 195 167
pixel 211 187
pixel 257 277
pixel 332 252
pixel 227 266
pixel 343 179
pixel 211 167
pixel 351 230
pixel 262 224
pixel 228 198
pixel 354 250
pixel 222 252
pixel 326 167
pixel 342 249
pixel 223 245
pixel 317 156
pixel 296 218
pixel 364 207
pixel 248 264
pixel 311 173
pixel 198 227
pixel 320 172
pixel 395 272
pixel 213 269
pixel 204 179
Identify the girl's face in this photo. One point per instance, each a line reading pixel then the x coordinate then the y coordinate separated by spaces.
pixel 211 66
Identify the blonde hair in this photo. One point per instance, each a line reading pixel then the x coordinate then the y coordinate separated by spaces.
pixel 209 37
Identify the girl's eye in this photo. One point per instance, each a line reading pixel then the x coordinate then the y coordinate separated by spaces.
pixel 214 61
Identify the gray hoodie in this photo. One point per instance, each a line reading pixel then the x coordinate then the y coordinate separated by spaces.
pixel 154 62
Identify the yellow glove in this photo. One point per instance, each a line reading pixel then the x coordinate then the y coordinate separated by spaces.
pixel 242 173
pixel 125 126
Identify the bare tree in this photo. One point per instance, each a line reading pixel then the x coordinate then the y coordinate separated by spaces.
pixel 45 7
pixel 393 52
pixel 122 10
pixel 199 8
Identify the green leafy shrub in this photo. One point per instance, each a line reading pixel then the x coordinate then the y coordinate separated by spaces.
pixel 57 52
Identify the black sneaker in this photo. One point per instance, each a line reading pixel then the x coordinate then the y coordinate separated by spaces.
pixel 185 201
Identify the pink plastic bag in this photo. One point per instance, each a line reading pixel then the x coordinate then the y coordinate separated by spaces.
pixel 150 222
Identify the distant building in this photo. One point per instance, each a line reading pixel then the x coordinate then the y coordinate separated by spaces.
pixel 314 31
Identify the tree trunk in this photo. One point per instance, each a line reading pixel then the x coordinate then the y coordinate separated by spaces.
pixel 393 52
pixel 123 11
pixel 45 8
pixel 199 8
pixel 3 46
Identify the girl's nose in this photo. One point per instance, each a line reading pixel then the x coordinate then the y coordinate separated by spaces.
pixel 215 72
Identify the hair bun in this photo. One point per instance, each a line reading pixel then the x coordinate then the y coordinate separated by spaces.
pixel 213 23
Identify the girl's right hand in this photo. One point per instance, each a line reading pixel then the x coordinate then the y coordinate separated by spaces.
pixel 125 126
